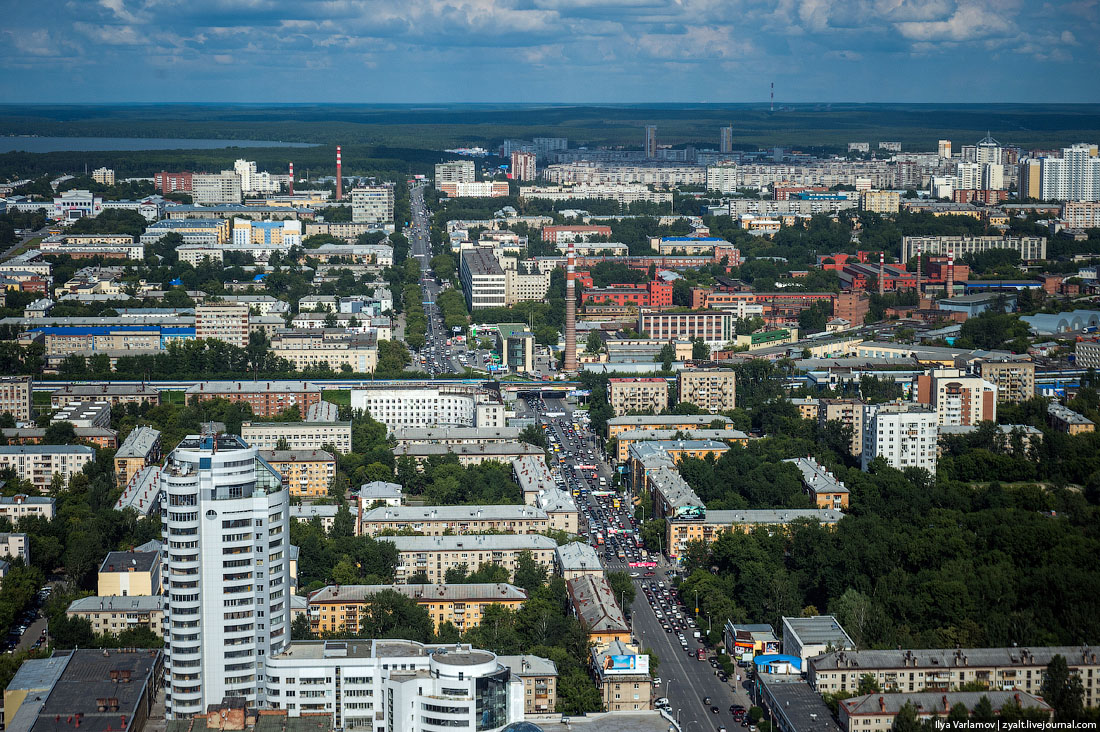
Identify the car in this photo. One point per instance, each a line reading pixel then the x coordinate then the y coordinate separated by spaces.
pixel 657 681
pixel 721 728
pixel 662 703
pixel 714 710
pixel 706 700
pixel 635 574
pixel 733 709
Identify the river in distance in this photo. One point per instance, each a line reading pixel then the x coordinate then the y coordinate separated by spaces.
pixel 58 144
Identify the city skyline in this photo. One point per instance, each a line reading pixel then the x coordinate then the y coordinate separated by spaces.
pixel 579 51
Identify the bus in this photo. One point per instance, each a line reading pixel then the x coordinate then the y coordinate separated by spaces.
pixel 599 538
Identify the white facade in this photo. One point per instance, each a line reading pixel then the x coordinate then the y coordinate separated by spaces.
pixel 395 685
pixel 905 435
pixel 464 406
pixel 1073 177
pixel 212 189
pixel 226 570
pixel 372 204
pixel 456 171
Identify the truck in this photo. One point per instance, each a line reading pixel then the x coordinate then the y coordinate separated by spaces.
pixel 701 654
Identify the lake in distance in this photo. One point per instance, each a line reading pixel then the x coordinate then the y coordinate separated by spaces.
pixel 58 144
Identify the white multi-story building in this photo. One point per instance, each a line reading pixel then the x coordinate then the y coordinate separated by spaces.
pixel 455 171
pixel 1073 177
pixel 211 189
pixel 957 397
pixel 434 406
pixel 224 322
pixel 589 173
pixel 523 165
pixel 904 434
pixel 623 194
pixel 255 182
pixel 1029 248
pixel 484 282
pixel 298 435
pixel 39 463
pixel 395 685
pixel 372 204
pixel 226 566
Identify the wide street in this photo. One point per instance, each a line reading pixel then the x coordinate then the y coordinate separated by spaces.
pixel 686 681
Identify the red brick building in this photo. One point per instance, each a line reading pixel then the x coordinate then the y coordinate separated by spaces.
pixel 860 276
pixel 852 306
pixel 565 234
pixel 166 182
pixel 653 295
pixel 267 398
pixel 987 196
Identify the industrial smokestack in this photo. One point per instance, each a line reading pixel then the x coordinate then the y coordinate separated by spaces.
pixel 881 272
pixel 950 275
pixel 339 176
pixel 570 311
pixel 290 186
pixel 918 273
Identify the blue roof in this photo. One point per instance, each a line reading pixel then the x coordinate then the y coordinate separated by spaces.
pixel 700 239
pixel 176 330
pixel 769 658
pixel 176 282
pixel 259 277
pixel 107 329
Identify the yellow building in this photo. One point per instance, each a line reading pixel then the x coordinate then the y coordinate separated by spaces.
pixel 338 608
pixel 123 574
pixel 881 202
pixel 807 408
pixel 309 473
pixel 140 449
pixel 823 488
pixel 626 439
pixel 116 614
pixel 1064 419
pixel 680 533
pixel 713 390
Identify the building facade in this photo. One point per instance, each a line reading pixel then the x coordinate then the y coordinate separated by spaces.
pixel 39 463
pixel 903 434
pixel 637 395
pixel 267 398
pixel 714 390
pixel 298 435
pixel 957 397
pixel 372 204
pixel 223 322
pixel 307 473
pixel 15 397
pixel 432 556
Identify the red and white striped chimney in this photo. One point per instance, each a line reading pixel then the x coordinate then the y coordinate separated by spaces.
pixel 881 272
pixel 290 185
pixel 918 272
pixel 570 365
pixel 339 176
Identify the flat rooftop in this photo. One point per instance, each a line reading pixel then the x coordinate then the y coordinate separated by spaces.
pixel 130 562
pixel 488 591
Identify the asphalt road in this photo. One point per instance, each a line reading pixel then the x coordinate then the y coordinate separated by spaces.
pixel 685 680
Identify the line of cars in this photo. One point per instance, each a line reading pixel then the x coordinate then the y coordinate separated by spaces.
pixel 25 620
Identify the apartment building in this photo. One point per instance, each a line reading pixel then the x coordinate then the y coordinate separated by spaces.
pixel 130 573
pixel 16 507
pixel 39 463
pixel 338 608
pixel 1081 214
pixel 957 397
pixel 880 202
pixel 430 406
pixel 114 393
pixel 624 194
pixel 224 322
pixel 501 452
pixel 682 531
pixel 141 448
pixel 15 397
pixel 308 348
pixel 1029 248
pixel 1013 377
pixel 903 434
pixel 711 389
pixel 946 669
pixel 454 171
pixel 372 204
pixel 622 675
pixel 483 280
pixel 674 422
pixel 117 614
pixel 209 189
pixel 1064 419
pixel 575 559
pixel 454 520
pixel 566 234
pixel 808 637
pixel 539 677
pixel 15 546
pixel 595 605
pixel 849 412
pixel 395 685
pixel 1087 354
pixel 625 439
pixel 823 488
pixel 523 166
pixel 434 555
pixel 878 712
pixel 714 327
pixel 308 473
pixel 298 435
pixel 267 234
pixel 637 395
pixel 267 398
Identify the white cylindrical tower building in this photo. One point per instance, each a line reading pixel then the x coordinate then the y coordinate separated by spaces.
pixel 226 572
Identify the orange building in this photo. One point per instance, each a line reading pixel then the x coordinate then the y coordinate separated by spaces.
pixel 267 398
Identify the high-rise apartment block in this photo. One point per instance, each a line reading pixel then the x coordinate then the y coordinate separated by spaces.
pixel 166 182
pixel 880 202
pixel 455 171
pixel 1013 377
pixel 372 204
pixel 903 434
pixel 1073 177
pixel 212 189
pixel 15 397
pixel 945 149
pixel 523 166
pixel 849 413
pixel 725 139
pixel 637 395
pixel 224 322
pixel 227 567
pixel 958 398
pixel 105 176
pixel 651 141
pixel 712 390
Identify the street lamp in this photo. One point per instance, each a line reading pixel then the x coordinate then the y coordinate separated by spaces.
pixel 697 603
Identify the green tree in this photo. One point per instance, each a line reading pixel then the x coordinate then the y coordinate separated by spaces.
pixel 530 574
pixel 594 344
pixel 700 351
pixel 532 435
pixel 623 588
pixel 343 524
pixel 60 433
pixel 868 684
pixel 1063 690
pixel 907 720
pixel 300 630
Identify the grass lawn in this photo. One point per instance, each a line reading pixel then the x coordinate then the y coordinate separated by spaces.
pixel 339 397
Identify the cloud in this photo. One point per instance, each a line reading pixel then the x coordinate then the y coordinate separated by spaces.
pixel 969 22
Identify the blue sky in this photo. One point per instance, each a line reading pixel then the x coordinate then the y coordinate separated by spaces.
pixel 549 50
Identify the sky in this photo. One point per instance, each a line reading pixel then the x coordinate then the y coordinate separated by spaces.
pixel 530 51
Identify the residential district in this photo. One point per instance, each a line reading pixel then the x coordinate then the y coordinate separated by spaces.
pixel 555 437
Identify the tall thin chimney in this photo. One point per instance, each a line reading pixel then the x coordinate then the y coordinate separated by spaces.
pixel 290 186
pixel 918 274
pixel 339 176
pixel 950 290
pixel 881 272
pixel 570 311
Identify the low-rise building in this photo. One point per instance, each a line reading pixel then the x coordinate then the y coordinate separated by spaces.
pixel 15 546
pixel 805 638
pixel 454 435
pixel 746 641
pixel 575 559
pixel 16 507
pixel 674 422
pixel 622 675
pixel 130 573
pixel 117 614
pixel 824 488
pixel 39 463
pixel 947 669
pixel 140 449
pixel 434 555
pixel 267 398
pixel 84 414
pixel 306 511
pixel 877 712
pixel 626 439
pixel 714 327
pixel 338 608
pixel 595 605
pixel 453 520
pixel 308 473
pixel 1064 419
pixel 114 393
pixel 790 704
pixel 380 493
pixel 309 435
pixel 682 532
pixel 469 454
pixel 539 677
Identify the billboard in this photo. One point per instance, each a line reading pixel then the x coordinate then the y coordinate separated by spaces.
pixel 771 647
pixel 621 663
pixel 690 512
